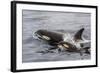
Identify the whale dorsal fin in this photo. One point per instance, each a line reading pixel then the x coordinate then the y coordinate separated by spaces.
pixel 78 35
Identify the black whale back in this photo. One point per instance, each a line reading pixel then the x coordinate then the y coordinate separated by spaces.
pixel 54 37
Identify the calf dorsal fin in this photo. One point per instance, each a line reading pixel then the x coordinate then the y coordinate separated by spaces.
pixel 78 35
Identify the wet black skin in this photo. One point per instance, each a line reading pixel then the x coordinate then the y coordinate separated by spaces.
pixel 54 37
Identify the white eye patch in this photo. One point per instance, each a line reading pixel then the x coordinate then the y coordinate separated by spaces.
pixel 60 46
pixel 65 45
pixel 45 37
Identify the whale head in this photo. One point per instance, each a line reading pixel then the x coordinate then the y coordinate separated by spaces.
pixel 67 46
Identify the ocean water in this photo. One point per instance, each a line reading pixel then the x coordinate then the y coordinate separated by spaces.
pixel 64 22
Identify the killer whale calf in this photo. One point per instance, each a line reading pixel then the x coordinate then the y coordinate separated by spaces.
pixel 64 42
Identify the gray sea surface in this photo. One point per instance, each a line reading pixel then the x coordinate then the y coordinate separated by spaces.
pixel 64 22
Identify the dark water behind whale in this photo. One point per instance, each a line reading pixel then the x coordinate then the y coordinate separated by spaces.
pixel 55 21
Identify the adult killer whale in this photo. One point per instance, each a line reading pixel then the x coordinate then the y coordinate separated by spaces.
pixel 64 41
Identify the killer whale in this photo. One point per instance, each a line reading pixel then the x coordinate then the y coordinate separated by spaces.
pixel 63 41
pixel 51 37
